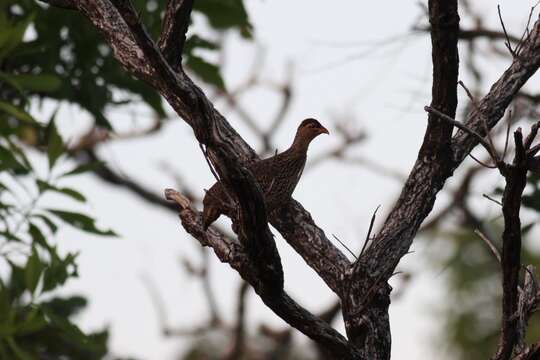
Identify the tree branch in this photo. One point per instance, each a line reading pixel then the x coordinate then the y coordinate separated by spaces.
pixel 428 177
pixel 366 301
pixel 233 253
pixel 138 54
pixel 516 179
pixel 173 31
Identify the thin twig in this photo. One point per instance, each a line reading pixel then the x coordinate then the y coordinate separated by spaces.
pixel 489 244
pixel 492 199
pixel 369 230
pixel 462 127
pixel 526 31
pixel 486 128
pixel 482 163
pixel 469 94
pixel 509 122
pixel 345 246
pixel 507 41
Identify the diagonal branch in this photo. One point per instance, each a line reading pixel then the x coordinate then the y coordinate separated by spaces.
pixel 367 295
pixel 427 177
pixel 254 233
pixel 139 55
pixel 173 31
pixel 233 253
pixel 227 152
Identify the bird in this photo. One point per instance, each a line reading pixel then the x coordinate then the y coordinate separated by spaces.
pixel 277 176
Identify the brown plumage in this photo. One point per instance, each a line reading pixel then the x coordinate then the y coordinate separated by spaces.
pixel 277 176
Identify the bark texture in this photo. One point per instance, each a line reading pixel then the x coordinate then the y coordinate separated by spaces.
pixel 363 285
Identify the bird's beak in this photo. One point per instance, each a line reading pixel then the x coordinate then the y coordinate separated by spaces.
pixel 324 131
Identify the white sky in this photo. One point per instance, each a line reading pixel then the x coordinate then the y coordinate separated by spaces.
pixel 385 92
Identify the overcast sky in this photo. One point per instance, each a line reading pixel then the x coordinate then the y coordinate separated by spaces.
pixel 342 70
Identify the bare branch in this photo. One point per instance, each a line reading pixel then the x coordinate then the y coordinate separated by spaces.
pixel 464 128
pixel 492 199
pixel 490 244
pixel 131 45
pixel 234 254
pixel 368 235
pixel 507 38
pixel 516 179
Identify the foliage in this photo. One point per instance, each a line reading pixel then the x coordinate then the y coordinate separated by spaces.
pixel 33 322
pixel 46 55
pixel 64 58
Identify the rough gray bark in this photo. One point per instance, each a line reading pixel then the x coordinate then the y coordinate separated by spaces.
pixel 366 301
pixel 233 253
pixel 362 286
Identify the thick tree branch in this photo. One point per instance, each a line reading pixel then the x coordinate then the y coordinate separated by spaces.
pixel 490 109
pixel 516 179
pixel 233 253
pixel 531 353
pixel 254 233
pixel 140 56
pixel 366 301
pixel 427 177
pixel 173 31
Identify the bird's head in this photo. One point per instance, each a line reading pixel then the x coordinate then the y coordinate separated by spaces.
pixel 310 128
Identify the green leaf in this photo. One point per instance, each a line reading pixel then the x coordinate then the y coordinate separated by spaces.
pixel 20 153
pixel 20 353
pixel 50 224
pixel 58 270
pixel 69 329
pixel 196 41
pixel 72 193
pixel 17 113
pixel 12 35
pixel 206 71
pixel 8 80
pixel 81 222
pixel 84 168
pixel 34 321
pixel 32 271
pixel 55 146
pixel 66 307
pixel 9 236
pixel 33 82
pixel 9 161
pixel 37 236
pixel 5 310
pixel 225 14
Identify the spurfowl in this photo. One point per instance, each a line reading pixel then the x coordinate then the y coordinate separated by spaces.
pixel 277 176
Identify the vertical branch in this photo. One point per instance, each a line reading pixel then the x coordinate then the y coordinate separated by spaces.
pixel 444 20
pixel 173 31
pixel 516 179
pixel 367 297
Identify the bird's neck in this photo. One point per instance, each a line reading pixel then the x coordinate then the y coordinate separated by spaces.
pixel 300 144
